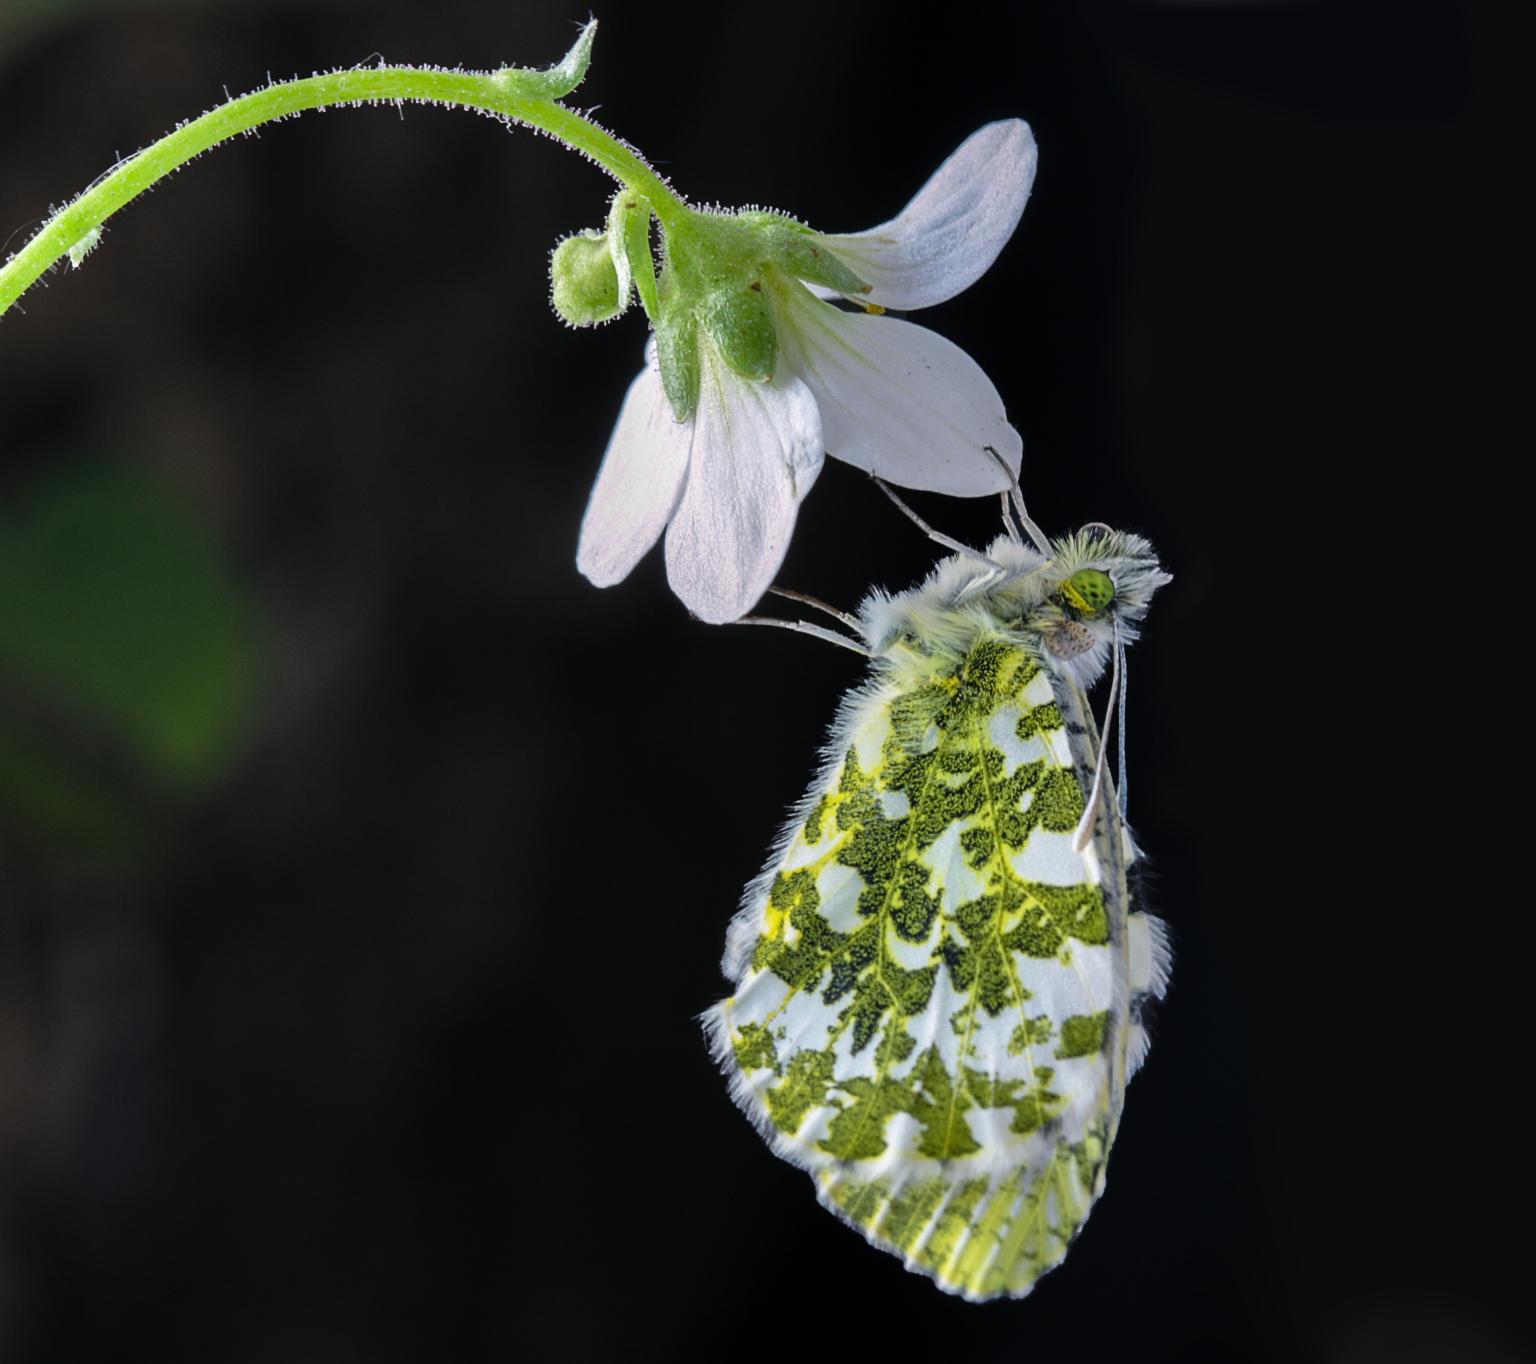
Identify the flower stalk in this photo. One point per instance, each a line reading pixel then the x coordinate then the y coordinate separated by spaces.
pixel 520 96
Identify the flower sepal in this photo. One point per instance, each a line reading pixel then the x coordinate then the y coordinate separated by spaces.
pixel 715 282
pixel 802 253
pixel 629 240
pixel 739 320
pixel 724 271
pixel 677 357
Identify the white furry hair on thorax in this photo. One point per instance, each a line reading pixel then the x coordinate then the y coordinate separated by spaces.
pixel 928 628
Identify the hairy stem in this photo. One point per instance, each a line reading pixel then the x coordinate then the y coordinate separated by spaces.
pixel 493 92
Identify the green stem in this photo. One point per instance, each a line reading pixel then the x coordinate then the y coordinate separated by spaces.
pixel 73 225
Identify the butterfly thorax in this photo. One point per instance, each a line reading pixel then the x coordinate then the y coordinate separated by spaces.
pixel 1064 610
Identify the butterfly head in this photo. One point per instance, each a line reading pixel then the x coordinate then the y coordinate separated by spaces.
pixel 1089 591
pixel 1098 583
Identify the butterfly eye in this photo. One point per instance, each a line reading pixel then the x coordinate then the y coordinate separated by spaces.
pixel 1090 590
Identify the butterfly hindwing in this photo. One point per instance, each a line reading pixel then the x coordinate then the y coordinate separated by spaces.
pixel 933 1007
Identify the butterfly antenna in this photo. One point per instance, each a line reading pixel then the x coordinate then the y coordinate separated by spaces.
pixel 1084 834
pixel 1015 495
pixel 1124 673
pixel 805 599
pixel 805 627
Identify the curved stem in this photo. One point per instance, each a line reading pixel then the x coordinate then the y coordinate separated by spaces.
pixel 72 227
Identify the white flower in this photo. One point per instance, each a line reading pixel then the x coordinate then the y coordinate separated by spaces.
pixel 876 392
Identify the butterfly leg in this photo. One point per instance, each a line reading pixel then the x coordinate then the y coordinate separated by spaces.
pixel 1015 495
pixel 994 573
pixel 804 627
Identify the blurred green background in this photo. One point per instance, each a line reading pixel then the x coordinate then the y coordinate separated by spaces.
pixel 129 651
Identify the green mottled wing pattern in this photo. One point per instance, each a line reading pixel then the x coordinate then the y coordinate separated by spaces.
pixel 934 1007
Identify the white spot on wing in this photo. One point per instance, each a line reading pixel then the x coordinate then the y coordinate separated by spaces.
pixel 1051 859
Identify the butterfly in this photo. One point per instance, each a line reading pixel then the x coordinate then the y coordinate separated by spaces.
pixel 939 978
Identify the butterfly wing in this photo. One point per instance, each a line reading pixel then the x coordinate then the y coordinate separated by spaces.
pixel 936 996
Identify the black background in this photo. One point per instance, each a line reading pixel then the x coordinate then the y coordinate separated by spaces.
pixel 381 1044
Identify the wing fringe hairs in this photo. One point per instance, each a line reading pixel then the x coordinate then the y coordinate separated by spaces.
pixel 928 877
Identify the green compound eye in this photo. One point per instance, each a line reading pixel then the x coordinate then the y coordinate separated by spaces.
pixel 1090 590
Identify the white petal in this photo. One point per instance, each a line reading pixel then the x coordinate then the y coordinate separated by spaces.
pixel 638 487
pixel 945 239
pixel 899 400
pixel 757 449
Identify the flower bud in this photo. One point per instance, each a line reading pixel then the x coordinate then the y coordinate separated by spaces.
pixel 584 281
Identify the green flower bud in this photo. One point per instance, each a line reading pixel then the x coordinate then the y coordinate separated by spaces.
pixel 584 281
